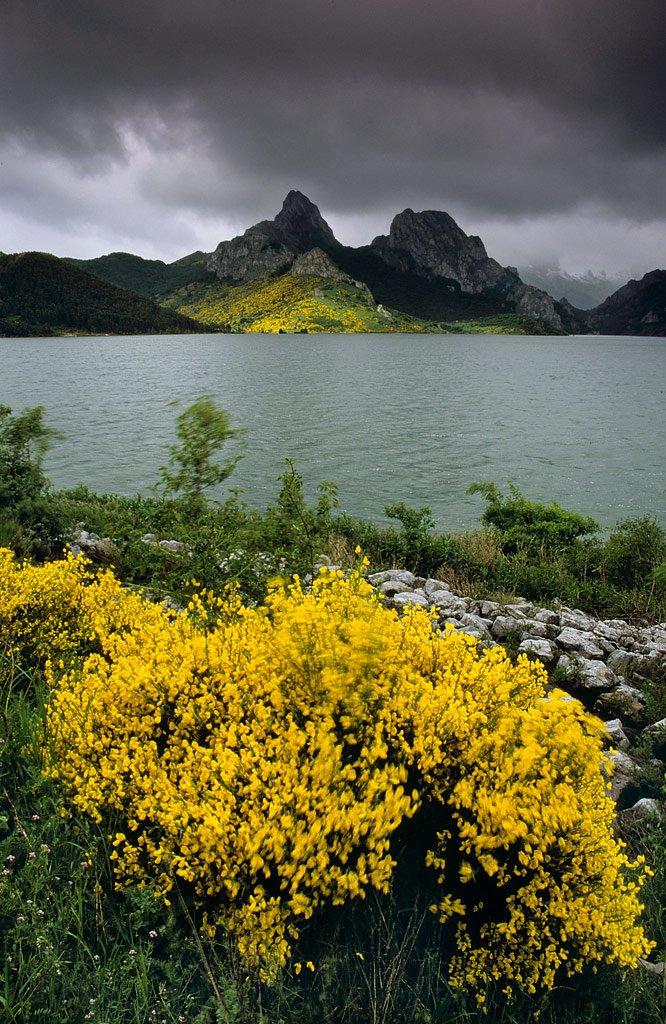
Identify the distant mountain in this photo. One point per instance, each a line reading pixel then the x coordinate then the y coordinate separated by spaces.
pixel 314 295
pixel 582 290
pixel 43 295
pixel 638 308
pixel 292 274
pixel 271 246
pixel 426 267
pixel 151 278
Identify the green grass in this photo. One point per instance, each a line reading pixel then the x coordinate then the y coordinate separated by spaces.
pixel 501 323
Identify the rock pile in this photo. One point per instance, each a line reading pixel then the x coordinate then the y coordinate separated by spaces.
pixel 606 664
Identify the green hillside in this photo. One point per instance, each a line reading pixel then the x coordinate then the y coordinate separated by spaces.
pixel 43 295
pixel 152 278
pixel 501 323
pixel 292 303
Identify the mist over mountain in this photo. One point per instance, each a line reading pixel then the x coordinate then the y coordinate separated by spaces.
pixel 582 290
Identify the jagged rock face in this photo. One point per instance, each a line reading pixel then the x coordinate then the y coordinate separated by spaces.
pixel 249 256
pixel 299 226
pixel 317 263
pixel 429 244
pixel 531 301
pixel 639 307
pixel 433 243
pixel 270 247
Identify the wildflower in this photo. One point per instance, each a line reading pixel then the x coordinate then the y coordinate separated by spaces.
pixel 32 855
pixel 301 735
pixel 152 934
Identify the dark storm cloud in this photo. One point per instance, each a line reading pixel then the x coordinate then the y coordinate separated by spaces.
pixel 523 108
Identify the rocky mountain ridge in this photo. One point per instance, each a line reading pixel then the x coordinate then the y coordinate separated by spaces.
pixel 428 266
pixel 425 274
pixel 428 245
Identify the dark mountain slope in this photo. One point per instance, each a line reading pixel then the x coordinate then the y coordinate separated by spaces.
pixel 638 308
pixel 42 295
pixel 299 226
pixel 437 298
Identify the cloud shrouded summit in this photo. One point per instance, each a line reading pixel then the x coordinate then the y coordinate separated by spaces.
pixel 165 127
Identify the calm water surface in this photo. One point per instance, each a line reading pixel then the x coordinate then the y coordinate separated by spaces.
pixel 388 417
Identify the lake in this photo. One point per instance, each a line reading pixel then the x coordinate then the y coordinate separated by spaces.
pixel 581 420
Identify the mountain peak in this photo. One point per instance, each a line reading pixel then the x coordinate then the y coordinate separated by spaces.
pixel 270 247
pixel 297 200
pixel 433 230
pixel 299 225
pixel 432 244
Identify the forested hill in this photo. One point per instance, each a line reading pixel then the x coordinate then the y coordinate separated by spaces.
pixel 152 278
pixel 43 295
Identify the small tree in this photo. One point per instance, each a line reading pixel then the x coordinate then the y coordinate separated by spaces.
pixel 24 441
pixel 202 430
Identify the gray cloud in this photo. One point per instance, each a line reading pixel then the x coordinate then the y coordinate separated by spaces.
pixel 199 117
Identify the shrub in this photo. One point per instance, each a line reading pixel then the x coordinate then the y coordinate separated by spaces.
pixel 60 611
pixel 633 551
pixel 24 440
pixel 530 524
pixel 274 760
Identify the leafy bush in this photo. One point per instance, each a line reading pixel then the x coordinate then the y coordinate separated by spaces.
pixel 273 761
pixel 413 546
pixel 633 551
pixel 530 524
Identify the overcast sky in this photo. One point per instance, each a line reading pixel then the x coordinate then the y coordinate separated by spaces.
pixel 163 127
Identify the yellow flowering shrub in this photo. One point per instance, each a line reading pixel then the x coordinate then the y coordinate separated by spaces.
pixel 62 610
pixel 290 303
pixel 267 760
